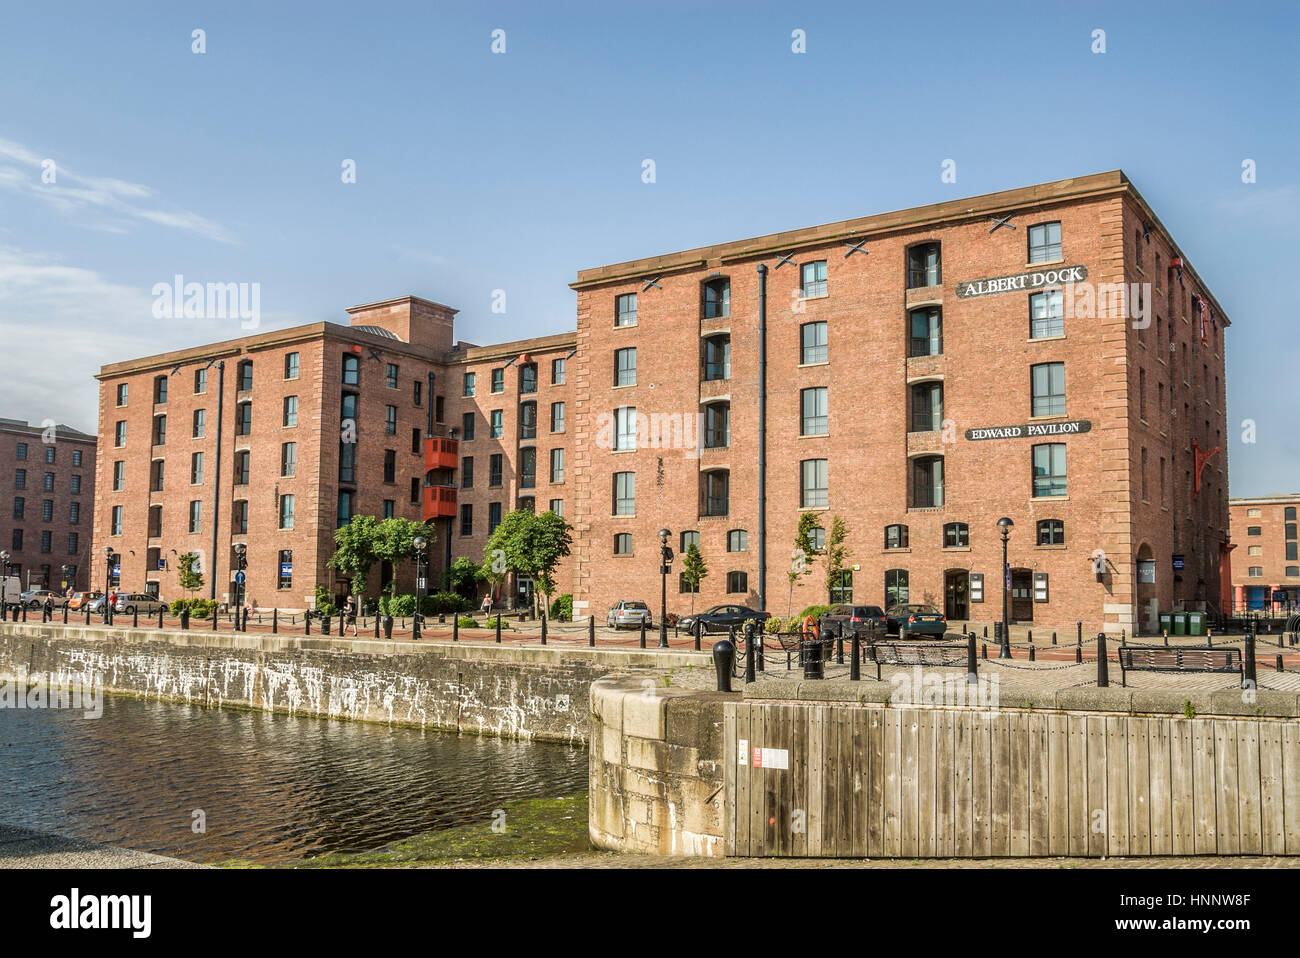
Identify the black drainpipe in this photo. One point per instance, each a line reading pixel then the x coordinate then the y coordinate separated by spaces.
pixel 216 480
pixel 762 437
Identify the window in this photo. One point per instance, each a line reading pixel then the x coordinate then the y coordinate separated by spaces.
pixel 347 462
pixel 927 407
pixel 528 420
pixel 466 519
pixel 494 469
pixel 557 371
pixel 817 538
pixel 289 459
pixel 467 472
pixel 717 425
pixel 46 540
pixel 923 266
pixel 813 411
pixel 895 587
pixel 624 493
pixel 1255 572
pixel 348 408
pixel 390 508
pixel 715 485
pixel 498 428
pixel 842 588
pixel 625 428
pixel 956 535
pixel 1049 469
pixel 121 398
pixel 72 543
pixel 119 476
pixel 200 381
pixel 415 489
pixel 813 279
pixel 927 331
pixel 390 465
pixel 74 513
pixel 494 516
pixel 351 369
pixel 159 430
pixel 469 385
pixel 119 433
pixel 284 571
pixel 20 505
pixel 390 420
pixel 528 378
pixel 927 482
pixel 196 515
pixel 76 461
pixel 244 375
pixel 390 375
pixel 557 417
pixel 737 540
pixel 291 410
pixel 1254 551
pixel 623 544
pixel 286 512
pixel 813 485
pixel 625 310
pixel 343 515
pixel 499 380
pixel 717 358
pixel 47 483
pixel 467 425
pixel 717 298
pixel 1044 242
pixel 200 424
pixel 1047 389
pixel 528 467
pixel 159 389
pixel 686 588
pixel 557 465
pixel 17 546
pixel 1291 552
pixel 1046 314
pixel 1292 571
pixel 47 510
pixel 557 506
pixel 417 392
pixel 1051 532
pixel 243 460
pixel 243 418
pixel 812 343
pixel 196 468
pixel 290 365
pixel 625 367
pixel 1254 530
pixel 49 453
pixel 1290 528
pixel 415 442
pixel 1289 515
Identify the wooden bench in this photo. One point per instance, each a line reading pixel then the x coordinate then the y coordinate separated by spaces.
pixel 939 654
pixel 1158 658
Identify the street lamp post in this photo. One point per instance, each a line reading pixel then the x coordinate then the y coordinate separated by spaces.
pixel 108 580
pixel 4 581
pixel 420 543
pixel 241 563
pixel 665 557
pixel 1004 652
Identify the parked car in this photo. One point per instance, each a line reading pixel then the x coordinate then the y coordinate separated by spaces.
pixel 915 619
pixel 722 617
pixel 80 599
pixel 857 618
pixel 142 602
pixel 628 614
pixel 96 605
pixel 35 598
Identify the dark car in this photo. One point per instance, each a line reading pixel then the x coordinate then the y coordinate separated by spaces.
pixel 915 619
pixel 721 617
pixel 857 618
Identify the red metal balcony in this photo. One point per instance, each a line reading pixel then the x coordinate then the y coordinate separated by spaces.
pixel 439 502
pixel 441 453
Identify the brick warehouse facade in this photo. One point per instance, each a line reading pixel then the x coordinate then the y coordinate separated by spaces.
pixel 48 479
pixel 924 377
pixel 1266 552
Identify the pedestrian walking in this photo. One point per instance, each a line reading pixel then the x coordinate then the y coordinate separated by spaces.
pixel 350 614
pixel 487 603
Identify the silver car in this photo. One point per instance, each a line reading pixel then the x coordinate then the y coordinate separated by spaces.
pixel 628 614
pixel 138 601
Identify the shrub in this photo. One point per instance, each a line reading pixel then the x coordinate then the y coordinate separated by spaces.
pixel 816 611
pixel 446 603
pixel 399 606
pixel 324 605
pixel 199 608
pixel 562 608
pixel 492 623
pixel 466 622
pixel 774 624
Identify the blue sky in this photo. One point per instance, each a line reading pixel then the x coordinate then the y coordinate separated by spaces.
pixel 479 171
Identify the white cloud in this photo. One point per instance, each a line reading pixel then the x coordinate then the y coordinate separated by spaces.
pixel 110 201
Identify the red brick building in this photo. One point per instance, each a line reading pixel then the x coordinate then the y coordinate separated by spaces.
pixel 920 377
pixel 1044 354
pixel 47 478
pixel 1266 556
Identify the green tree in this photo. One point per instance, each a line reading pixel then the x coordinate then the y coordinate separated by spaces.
pixel 837 554
pixel 694 570
pixel 366 540
pixel 463 576
pixel 803 554
pixel 532 545
pixel 191 579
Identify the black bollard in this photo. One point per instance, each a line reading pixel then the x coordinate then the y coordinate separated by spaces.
pixel 376 623
pixel 25 615
pixel 1078 654
pixel 1079 628
pixel 544 627
pixel 759 633
pixel 839 646
pixel 275 621
pixel 3 611
pixel 984 650
pixel 160 616
pixel 643 633
pixel 855 650
pixel 986 631
pixel 215 623
pixel 325 625
pixel 1031 636
pixel 65 613
pixel 749 658
pixel 135 617
pixel 1032 649
pixel 498 627
pixel 724 660
pixel 1053 638
pixel 591 629
pixel 1248 663
pixel 1279 662
pixel 306 622
pixel 388 627
pixel 972 662
pixel 699 632
pixel 185 618
pixel 813 665
pixel 455 627
pixel 1103 664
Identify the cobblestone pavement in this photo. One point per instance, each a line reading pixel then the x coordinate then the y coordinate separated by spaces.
pixel 25 848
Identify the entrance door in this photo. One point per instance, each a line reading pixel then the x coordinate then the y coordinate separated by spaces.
pixel 523 592
pixel 956 595
pixel 1022 595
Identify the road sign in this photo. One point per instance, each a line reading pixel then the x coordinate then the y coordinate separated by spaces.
pixel 239 578
pixel 117 570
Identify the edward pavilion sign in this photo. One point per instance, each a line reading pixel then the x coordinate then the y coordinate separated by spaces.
pixel 1020 282
pixel 1033 430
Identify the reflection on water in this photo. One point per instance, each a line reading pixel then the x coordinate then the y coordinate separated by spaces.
pixel 271 787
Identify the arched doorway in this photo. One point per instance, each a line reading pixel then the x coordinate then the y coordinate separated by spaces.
pixel 956 595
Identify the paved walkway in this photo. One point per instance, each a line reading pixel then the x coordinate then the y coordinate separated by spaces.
pixel 25 848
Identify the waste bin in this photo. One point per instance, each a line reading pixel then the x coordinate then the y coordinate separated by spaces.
pixel 1166 623
pixel 1180 623
pixel 1195 623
